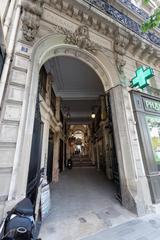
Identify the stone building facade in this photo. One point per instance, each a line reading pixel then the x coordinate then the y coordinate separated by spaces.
pixel 106 36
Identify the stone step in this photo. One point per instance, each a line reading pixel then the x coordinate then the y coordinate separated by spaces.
pixel 89 162
pixel 82 163
pixel 81 160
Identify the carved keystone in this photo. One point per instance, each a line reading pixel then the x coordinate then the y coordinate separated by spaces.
pixel 81 38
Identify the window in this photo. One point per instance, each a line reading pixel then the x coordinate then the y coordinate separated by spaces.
pixel 153 125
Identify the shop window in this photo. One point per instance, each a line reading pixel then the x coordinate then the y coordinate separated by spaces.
pixel 43 82
pixel 153 125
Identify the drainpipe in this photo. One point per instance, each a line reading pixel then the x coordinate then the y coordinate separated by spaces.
pixel 8 18
pixel 10 49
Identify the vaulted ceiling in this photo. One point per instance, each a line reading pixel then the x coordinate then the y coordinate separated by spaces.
pixel 78 86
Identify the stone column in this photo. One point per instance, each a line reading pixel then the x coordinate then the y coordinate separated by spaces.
pixel 106 144
pixel 46 126
pixel 56 143
pixel 106 135
pixel 55 173
pixel 48 88
pixel 68 155
pixel 97 156
pixel 93 159
pixel 58 108
pixel 103 108
pixel 64 155
pixel 134 186
pixel 45 144
pixel 89 148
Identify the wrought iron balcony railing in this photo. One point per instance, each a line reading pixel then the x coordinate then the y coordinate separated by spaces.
pixel 126 21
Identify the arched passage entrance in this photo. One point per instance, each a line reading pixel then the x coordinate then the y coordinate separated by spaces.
pixel 80 94
pixel 47 48
pixel 78 88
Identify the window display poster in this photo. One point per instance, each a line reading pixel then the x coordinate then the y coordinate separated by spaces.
pixel 45 201
pixel 153 125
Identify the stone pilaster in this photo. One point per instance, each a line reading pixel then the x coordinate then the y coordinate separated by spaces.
pixel 93 158
pixel 64 155
pixel 107 150
pixel 55 171
pixel 68 154
pixel 103 108
pixel 48 88
pixel 44 156
pixel 135 196
pixel 58 108
pixel 97 157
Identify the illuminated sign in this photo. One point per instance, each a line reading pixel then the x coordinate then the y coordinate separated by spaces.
pixel 151 105
pixel 141 78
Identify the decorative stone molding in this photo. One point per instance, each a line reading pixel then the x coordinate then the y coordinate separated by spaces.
pixel 107 26
pixel 55 29
pixel 120 45
pixel 32 11
pixel 81 38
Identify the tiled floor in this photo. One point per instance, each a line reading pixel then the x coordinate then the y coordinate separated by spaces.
pixel 83 203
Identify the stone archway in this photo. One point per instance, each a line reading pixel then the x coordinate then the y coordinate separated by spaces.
pixel 52 46
pixel 49 47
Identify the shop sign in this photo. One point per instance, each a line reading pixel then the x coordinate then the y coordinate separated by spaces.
pixel 151 105
pixel 142 77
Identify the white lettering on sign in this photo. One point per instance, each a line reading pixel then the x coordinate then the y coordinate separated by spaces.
pixel 152 105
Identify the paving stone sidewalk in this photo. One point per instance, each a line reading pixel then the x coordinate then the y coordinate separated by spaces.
pixel 146 228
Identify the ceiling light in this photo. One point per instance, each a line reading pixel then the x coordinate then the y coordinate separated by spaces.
pixel 68 115
pixel 93 115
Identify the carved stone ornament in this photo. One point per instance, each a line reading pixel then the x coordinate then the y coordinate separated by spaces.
pixel 120 45
pixel 81 38
pixel 32 11
pixel 120 62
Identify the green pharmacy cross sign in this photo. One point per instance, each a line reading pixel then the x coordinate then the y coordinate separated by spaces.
pixel 141 78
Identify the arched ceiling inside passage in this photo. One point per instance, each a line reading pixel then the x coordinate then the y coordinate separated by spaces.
pixel 77 84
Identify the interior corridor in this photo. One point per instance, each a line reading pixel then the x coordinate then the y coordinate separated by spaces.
pixel 82 203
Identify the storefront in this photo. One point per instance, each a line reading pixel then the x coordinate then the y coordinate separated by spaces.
pixel 147 115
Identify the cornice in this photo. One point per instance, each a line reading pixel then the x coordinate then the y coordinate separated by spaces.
pixel 103 24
